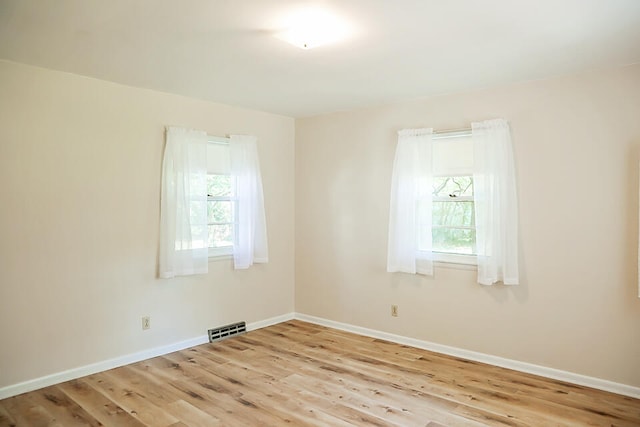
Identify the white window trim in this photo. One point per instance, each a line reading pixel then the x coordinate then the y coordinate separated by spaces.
pixel 223 252
pixel 450 259
pixel 218 140
pixel 465 262
pixel 447 259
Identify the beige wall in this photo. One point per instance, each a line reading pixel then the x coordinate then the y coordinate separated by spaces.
pixel 80 163
pixel 79 191
pixel 576 143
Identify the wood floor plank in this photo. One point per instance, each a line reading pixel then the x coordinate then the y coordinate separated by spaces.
pixel 195 383
pixel 234 383
pixel 320 369
pixel 182 386
pixel 242 411
pixel 155 391
pixel 206 410
pixel 267 390
pixel 131 399
pixel 422 405
pixel 485 397
pixel 99 406
pixel 65 410
pixel 26 412
pixel 338 367
pixel 191 415
pixel 370 402
pixel 281 396
pixel 502 386
pixel 6 419
pixel 297 373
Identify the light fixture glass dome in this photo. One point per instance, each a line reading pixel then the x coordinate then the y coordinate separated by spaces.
pixel 312 27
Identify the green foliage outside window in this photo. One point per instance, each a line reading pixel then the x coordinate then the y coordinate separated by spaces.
pixel 220 211
pixel 453 221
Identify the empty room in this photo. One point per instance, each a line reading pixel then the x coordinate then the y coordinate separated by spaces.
pixel 319 213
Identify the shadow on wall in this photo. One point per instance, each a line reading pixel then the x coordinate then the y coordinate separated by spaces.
pixel 632 218
pixel 501 293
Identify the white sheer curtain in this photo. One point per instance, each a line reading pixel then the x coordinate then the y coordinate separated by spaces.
pixel 250 244
pixel 495 203
pixel 409 249
pixel 183 204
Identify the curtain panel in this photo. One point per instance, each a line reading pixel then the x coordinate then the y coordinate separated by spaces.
pixel 409 247
pixel 250 243
pixel 496 203
pixel 183 204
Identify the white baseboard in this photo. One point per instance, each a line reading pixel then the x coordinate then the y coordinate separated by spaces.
pixel 93 368
pixel 529 368
pixel 82 371
pixel 269 322
pixel 597 383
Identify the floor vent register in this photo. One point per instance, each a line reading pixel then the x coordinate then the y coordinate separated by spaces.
pixel 223 332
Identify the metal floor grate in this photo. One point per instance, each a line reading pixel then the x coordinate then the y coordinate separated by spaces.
pixel 223 332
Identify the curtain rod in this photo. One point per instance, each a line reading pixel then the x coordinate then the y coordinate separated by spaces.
pixel 452 133
pixel 217 140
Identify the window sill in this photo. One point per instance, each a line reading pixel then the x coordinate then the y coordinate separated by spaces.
pixel 455 261
pixel 220 253
pixel 455 265
pixel 216 258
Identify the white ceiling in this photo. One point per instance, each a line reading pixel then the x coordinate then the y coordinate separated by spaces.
pixel 224 50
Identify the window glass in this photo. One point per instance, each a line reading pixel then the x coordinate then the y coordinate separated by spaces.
pixel 453 218
pixel 221 217
pixel 453 214
pixel 218 185
pixel 454 240
pixel 456 186
pixel 220 236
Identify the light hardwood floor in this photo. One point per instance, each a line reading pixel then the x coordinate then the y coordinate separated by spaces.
pixel 296 373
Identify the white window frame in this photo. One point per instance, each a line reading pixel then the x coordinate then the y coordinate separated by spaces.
pixel 448 258
pixel 222 252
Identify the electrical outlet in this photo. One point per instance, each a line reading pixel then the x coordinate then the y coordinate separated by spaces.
pixel 146 322
pixel 394 310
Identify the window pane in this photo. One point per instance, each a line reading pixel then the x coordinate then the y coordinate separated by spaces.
pixel 454 240
pixel 445 186
pixel 220 211
pixel 220 235
pixel 453 214
pixel 218 185
pixel 453 220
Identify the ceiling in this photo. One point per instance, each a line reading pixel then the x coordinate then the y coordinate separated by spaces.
pixel 225 50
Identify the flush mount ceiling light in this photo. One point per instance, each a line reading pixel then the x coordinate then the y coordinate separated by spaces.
pixel 313 27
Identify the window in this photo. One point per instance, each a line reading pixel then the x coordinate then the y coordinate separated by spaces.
pixel 211 203
pixel 236 221
pixel 222 204
pixel 453 222
pixel 222 219
pixel 453 196
pixel 453 227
